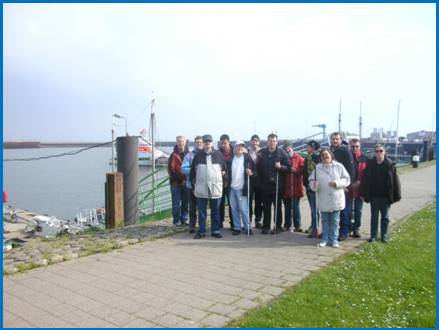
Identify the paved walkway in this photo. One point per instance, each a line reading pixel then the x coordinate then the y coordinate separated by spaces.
pixel 182 282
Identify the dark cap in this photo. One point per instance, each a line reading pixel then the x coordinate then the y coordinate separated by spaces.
pixel 255 136
pixel 207 137
pixel 224 137
pixel 287 144
pixel 314 144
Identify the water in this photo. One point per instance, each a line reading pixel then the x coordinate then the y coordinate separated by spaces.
pixel 58 186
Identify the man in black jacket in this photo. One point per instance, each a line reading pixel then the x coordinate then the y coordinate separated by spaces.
pixel 380 187
pixel 271 165
pixel 343 155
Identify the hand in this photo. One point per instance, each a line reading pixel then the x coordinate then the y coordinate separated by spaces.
pixel 223 173
pixel 277 165
pixel 333 184
pixel 249 172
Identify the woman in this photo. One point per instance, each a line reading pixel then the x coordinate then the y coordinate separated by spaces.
pixel 329 180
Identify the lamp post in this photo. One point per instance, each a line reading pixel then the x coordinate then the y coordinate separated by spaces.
pixel 116 115
pixel 124 118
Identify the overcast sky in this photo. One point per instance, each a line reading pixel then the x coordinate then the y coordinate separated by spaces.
pixel 216 68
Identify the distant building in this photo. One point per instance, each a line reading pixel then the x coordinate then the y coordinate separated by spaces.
pixel 377 134
pixel 421 136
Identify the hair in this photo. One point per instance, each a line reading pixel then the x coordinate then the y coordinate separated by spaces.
pixel 180 137
pixel 224 137
pixel 198 137
pixel 326 150
pixel 255 136
pixel 335 134
pixel 272 136
pixel 355 140
pixel 379 145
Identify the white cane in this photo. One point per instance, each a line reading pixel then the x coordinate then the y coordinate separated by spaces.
pixel 316 214
pixel 249 223
pixel 275 205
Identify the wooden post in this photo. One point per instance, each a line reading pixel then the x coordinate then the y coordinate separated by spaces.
pixel 114 200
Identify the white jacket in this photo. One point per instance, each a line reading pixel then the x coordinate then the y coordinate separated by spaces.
pixel 329 199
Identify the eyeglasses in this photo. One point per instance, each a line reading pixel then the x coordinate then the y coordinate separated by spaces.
pixel 380 150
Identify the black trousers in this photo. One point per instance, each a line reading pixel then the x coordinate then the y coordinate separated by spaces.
pixel 222 210
pixel 269 200
pixel 256 197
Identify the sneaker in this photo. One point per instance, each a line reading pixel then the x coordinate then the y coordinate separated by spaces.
pixel 198 236
pixel 298 230
pixel 335 245
pixel 258 225
pixel 385 240
pixel 236 232
pixel 264 231
pixel 312 233
pixel 217 235
pixel 287 229
pixel 276 231
pixel 342 238
pixel 372 240
pixel 322 244
pixel 356 234
pixel 191 231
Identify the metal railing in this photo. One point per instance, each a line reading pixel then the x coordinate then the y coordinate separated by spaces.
pixel 154 199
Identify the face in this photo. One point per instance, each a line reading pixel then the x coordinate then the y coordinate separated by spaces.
pixel 199 144
pixel 255 143
pixel 272 143
pixel 181 143
pixel 207 145
pixel 380 152
pixel 335 140
pixel 239 149
pixel 225 144
pixel 355 146
pixel 289 150
pixel 326 157
pixel 309 149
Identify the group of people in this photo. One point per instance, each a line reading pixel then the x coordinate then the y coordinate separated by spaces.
pixel 336 181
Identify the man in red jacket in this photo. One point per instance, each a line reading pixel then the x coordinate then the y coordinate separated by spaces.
pixel 178 183
pixel 354 202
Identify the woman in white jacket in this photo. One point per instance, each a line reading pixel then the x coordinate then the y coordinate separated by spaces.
pixel 329 180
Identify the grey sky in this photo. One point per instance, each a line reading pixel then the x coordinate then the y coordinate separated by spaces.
pixel 216 68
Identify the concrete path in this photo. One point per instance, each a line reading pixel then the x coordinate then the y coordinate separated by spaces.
pixel 179 281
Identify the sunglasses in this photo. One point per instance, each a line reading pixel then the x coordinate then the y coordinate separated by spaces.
pixel 355 146
pixel 379 150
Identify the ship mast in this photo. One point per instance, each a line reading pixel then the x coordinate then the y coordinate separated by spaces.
pixel 360 123
pixel 151 130
pixel 339 119
pixel 397 127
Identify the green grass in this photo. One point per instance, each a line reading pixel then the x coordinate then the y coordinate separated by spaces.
pixel 155 216
pixel 380 285
pixel 409 168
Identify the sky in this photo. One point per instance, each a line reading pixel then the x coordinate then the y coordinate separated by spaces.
pixel 238 69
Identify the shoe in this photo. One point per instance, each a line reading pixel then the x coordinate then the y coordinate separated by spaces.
pixel 198 236
pixel 298 230
pixel 384 239
pixel 312 233
pixel 322 244
pixel 217 235
pixel 372 240
pixel 191 231
pixel 335 245
pixel 276 231
pixel 287 229
pixel 236 232
pixel 250 232
pixel 356 234
pixel 264 231
pixel 258 225
pixel 342 238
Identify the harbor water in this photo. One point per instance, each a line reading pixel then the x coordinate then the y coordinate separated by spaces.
pixel 61 186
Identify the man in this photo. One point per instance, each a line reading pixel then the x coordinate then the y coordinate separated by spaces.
pixel 255 193
pixel 178 182
pixel 354 202
pixel 239 171
pixel 380 187
pixel 272 164
pixel 343 155
pixel 227 152
pixel 293 190
pixel 186 169
pixel 311 160
pixel 208 176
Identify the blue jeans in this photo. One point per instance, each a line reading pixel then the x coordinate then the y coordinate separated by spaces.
pixel 311 195
pixel 292 203
pixel 345 219
pixel 354 205
pixel 202 213
pixel 179 204
pixel 330 221
pixel 379 205
pixel 239 204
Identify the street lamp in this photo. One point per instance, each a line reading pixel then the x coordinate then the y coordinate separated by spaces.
pixel 112 135
pixel 126 123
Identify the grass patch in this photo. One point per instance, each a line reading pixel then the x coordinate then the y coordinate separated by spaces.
pixel 409 168
pixel 380 285
pixel 155 216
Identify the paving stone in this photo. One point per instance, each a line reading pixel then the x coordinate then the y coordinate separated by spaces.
pixel 245 304
pixel 221 309
pixel 237 313
pixel 168 320
pixel 215 321
pixel 149 313
pixel 56 258
pixel 274 291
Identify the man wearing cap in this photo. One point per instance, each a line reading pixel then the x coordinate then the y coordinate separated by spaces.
pixel 255 192
pixel 186 169
pixel 239 172
pixel 311 160
pixel 227 151
pixel 208 176
pixel 272 164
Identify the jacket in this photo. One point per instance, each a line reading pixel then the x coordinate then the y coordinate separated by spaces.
pixel 268 173
pixel 311 160
pixel 176 176
pixel 393 185
pixel 186 166
pixel 248 164
pixel 254 179
pixel 343 155
pixel 329 199
pixel 206 174
pixel 294 178
pixel 360 162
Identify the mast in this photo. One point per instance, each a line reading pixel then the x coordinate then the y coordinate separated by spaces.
pixel 339 119
pixel 152 128
pixel 361 122
pixel 397 127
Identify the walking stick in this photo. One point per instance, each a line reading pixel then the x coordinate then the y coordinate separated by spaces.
pixel 315 203
pixel 249 223
pixel 275 206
